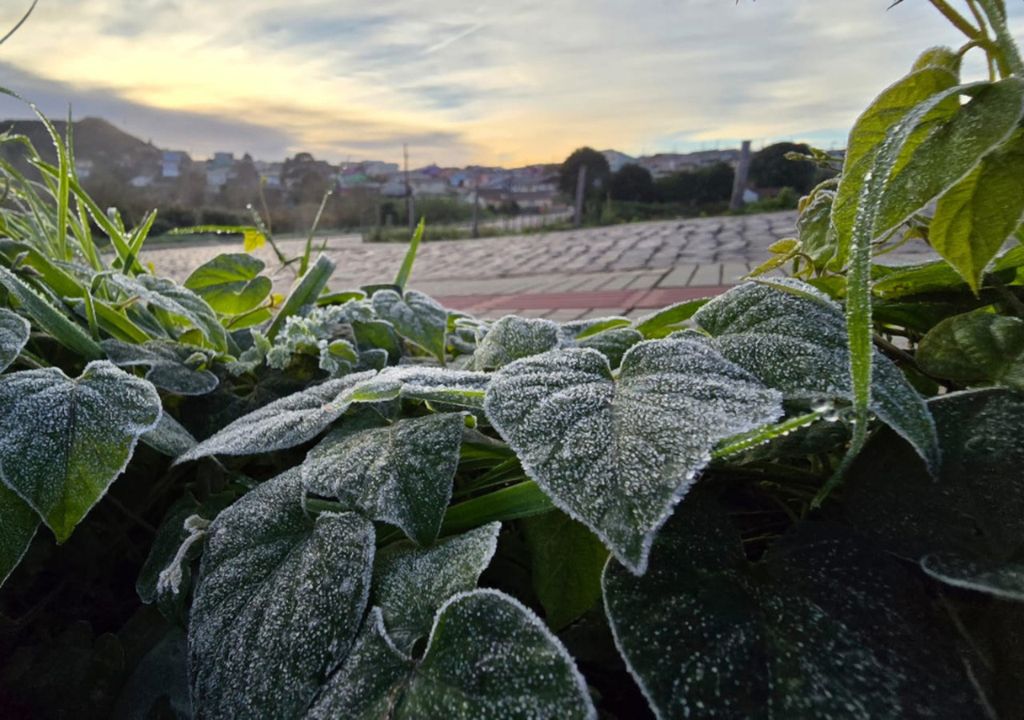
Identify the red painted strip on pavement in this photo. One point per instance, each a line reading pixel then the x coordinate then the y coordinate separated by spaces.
pixel 626 299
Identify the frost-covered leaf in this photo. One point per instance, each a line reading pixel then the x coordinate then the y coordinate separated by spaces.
pixel 975 349
pixel 231 283
pixel 489 658
pixel 284 423
pixel 825 627
pixel 18 524
pixel 464 388
pixel 512 337
pixel 618 456
pixel 169 437
pixel 171 297
pixel 410 583
pixel 400 473
pixel 375 335
pixel 793 338
pixel 416 317
pixel 280 597
pixel 566 561
pixel 63 441
pixel 971 519
pixel 167 362
pixel 612 343
pixel 14 332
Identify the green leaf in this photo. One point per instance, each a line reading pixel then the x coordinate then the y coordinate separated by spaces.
pixel 618 455
pixel 581 329
pixel 937 276
pixel 305 291
pixel 378 335
pixel 410 584
pixel 613 343
pixel 64 441
pixel 284 423
pixel 168 369
pixel 167 295
pixel 14 334
pixel 512 337
pixel 464 388
pixel 793 338
pixel 825 627
pixel 813 225
pixel 975 217
pixel 49 318
pixel 663 323
pixel 169 437
pixel 416 317
pixel 978 348
pixel 18 524
pixel 231 284
pixel 967 526
pixel 280 597
pixel 400 474
pixel 488 657
pixel 566 561
pixel 404 272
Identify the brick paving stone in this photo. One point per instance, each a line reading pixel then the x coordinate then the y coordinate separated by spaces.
pixel 706 274
pixel 679 276
pixel 732 272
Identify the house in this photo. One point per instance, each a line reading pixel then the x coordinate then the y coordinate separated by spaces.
pixel 173 163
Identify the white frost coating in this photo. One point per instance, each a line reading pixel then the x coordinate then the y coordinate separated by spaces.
pixel 488 658
pixel 410 584
pixel 462 387
pixel 284 423
pixel 512 337
pixel 14 333
pixel 618 456
pixel 278 604
pixel 64 441
pixel 416 317
pixel 793 338
pixel 169 437
pixel 1003 580
pixel 167 362
pixel 401 473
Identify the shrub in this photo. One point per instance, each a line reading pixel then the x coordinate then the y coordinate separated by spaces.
pixel 801 498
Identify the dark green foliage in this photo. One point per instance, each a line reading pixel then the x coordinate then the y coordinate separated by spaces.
pixel 770 168
pixel 598 173
pixel 632 183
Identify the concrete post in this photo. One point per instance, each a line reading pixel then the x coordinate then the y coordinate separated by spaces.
pixel 581 186
pixel 739 183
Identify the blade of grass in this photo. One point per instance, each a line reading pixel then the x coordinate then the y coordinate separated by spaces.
pixel 410 256
pixel 305 292
pixel 304 264
pixel 21 22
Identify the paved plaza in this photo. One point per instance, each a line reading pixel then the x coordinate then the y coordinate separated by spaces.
pixel 628 269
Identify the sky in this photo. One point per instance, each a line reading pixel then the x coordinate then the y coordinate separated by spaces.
pixel 465 81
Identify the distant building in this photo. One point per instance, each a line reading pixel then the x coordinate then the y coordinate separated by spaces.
pixel 83 168
pixel 617 160
pixel 172 163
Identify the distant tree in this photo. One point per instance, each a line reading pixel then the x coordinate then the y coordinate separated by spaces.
pixel 632 183
pixel 707 185
pixel 769 168
pixel 244 185
pixel 598 173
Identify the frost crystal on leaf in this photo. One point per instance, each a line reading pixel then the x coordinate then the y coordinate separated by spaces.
pixel 489 658
pixel 511 338
pixel 279 601
pixel 826 627
pixel 167 364
pixel 618 455
pixel 458 387
pixel 417 317
pixel 400 473
pixel 284 423
pixel 169 437
pixel 410 583
pixel 793 338
pixel 64 441
pixel 14 332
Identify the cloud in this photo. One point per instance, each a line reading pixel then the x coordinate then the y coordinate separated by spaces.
pixel 513 81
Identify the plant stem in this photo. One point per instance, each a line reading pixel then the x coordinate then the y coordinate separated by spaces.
pixel 957 19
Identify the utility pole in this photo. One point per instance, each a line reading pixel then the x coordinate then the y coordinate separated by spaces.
pixel 476 206
pixel 739 183
pixel 410 203
pixel 581 185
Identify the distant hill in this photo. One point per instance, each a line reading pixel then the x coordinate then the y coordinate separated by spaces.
pixel 96 142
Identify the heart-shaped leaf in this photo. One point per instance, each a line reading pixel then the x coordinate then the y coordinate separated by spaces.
pixel 279 601
pixel 63 441
pixel 512 337
pixel 793 338
pixel 171 297
pixel 231 283
pixel 488 657
pixel 617 455
pixel 825 627
pixel 967 526
pixel 284 423
pixel 416 317
pixel 400 473
pixel 14 333
pixel 975 349
pixel 410 584
pixel 18 524
pixel 167 362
